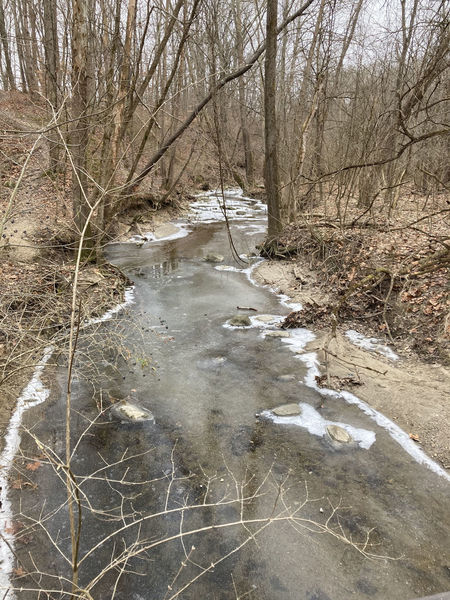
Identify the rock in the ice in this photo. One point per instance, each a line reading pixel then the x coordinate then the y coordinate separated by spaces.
pixel 287 410
pixel 338 434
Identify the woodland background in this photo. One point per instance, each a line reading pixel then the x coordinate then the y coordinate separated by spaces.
pixel 336 112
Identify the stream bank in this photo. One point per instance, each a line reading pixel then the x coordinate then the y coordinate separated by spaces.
pixel 410 392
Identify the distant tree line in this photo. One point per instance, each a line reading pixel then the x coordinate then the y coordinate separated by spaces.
pixel 351 97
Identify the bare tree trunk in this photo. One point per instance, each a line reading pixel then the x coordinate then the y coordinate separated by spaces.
pixel 19 46
pixel 246 143
pixel 26 42
pixel 110 57
pixel 124 80
pixel 51 75
pixel 271 174
pixel 79 132
pixel 6 50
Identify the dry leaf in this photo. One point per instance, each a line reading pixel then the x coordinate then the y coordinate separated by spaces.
pixel 33 466
pixel 414 437
pixel 15 527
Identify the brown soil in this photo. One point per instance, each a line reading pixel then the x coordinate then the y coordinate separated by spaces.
pixel 140 220
pixel 411 392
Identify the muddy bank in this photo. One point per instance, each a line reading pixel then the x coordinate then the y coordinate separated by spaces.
pixel 138 219
pixel 411 393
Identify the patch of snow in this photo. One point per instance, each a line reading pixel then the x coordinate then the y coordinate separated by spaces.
pixel 371 344
pixel 34 393
pixel 397 434
pixel 149 236
pixel 313 421
pixel 312 363
pixel 286 301
pixel 227 268
pixel 128 299
pixel 256 323
pixel 209 207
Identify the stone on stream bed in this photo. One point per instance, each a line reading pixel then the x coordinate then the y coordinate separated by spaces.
pixel 265 318
pixel 339 434
pixel 219 360
pixel 240 321
pixel 287 377
pixel 278 334
pixel 287 410
pixel 214 258
pixel 131 413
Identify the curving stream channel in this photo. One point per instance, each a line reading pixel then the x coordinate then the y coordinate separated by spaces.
pixel 211 496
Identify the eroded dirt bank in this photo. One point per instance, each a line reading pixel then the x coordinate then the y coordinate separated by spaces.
pixel 410 392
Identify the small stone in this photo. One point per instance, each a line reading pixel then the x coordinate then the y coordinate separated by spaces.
pixel 287 410
pixel 213 258
pixel 338 434
pixel 287 377
pixel 265 318
pixel 131 412
pixel 240 321
pixel 278 334
pixel 219 360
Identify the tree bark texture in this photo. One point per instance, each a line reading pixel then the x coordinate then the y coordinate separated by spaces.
pixel 271 172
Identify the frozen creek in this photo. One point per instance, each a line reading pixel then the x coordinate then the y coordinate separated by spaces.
pixel 204 381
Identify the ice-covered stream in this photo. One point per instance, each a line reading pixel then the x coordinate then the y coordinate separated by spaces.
pixel 211 387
